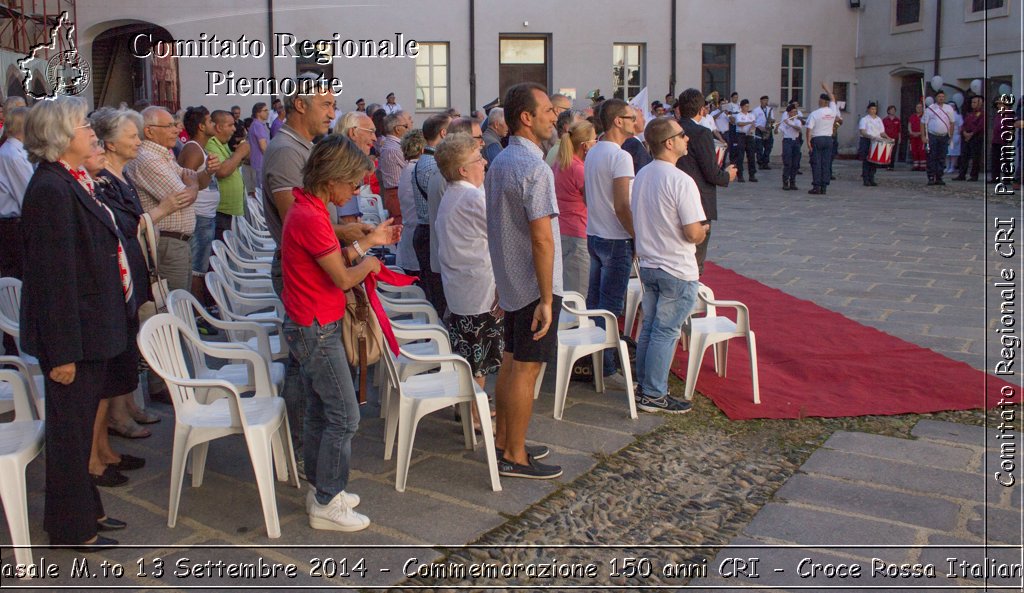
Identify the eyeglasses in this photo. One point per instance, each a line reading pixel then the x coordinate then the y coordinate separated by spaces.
pixel 673 136
pixel 474 161
pixel 174 125
pixel 370 130
pixel 87 124
pixel 629 117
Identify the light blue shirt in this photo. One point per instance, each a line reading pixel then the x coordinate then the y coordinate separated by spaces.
pixel 15 173
pixel 520 188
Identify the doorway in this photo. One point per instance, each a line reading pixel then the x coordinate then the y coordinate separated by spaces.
pixel 523 59
pixel 910 96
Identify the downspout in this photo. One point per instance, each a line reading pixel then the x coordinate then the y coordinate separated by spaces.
pixel 472 55
pixel 672 60
pixel 938 36
pixel 270 37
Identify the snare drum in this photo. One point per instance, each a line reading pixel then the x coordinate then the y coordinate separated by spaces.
pixel 720 149
pixel 880 152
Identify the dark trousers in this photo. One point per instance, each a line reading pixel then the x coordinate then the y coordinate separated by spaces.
pixel 743 146
pixel 995 173
pixel 765 144
pixel 832 156
pixel 790 159
pixel 938 146
pixel 73 502
pixel 867 168
pixel 223 224
pixel 430 281
pixel 821 160
pixel 702 250
pixel 972 155
pixel 10 263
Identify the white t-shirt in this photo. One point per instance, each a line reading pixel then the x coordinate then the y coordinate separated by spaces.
pixel 708 122
pixel 605 162
pixel 462 250
pixel 819 123
pixel 721 120
pixel 872 126
pixel 937 117
pixel 745 123
pixel 665 200
pixel 791 126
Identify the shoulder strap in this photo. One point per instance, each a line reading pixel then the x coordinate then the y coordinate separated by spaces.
pixel 416 178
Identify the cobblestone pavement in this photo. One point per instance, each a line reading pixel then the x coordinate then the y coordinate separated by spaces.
pixel 904 258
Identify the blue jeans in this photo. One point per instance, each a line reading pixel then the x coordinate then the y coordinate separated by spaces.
pixel 667 302
pixel 332 411
pixel 201 244
pixel 938 146
pixel 821 160
pixel 296 387
pixel 790 158
pixel 610 262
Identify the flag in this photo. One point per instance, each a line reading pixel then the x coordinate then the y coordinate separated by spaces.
pixel 641 103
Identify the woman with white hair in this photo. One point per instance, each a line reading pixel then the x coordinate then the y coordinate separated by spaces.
pixel 77 299
pixel 475 321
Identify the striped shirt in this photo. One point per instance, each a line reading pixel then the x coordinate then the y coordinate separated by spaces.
pixel 156 176
pixel 392 161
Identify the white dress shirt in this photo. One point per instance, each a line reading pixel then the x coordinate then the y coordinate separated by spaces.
pixel 389 108
pixel 15 172
pixel 745 123
pixel 873 127
pixel 939 119
pixel 462 249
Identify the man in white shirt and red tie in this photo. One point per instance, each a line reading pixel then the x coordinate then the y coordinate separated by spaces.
pixel 938 123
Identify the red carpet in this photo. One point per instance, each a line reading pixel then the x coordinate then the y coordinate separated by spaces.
pixel 816 362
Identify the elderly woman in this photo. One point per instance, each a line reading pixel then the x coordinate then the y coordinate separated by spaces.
pixel 413 145
pixel 475 321
pixel 118 133
pixel 572 204
pixel 77 302
pixel 316 274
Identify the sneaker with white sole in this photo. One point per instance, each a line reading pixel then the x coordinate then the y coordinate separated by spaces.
pixel 535 470
pixel 336 516
pixel 534 451
pixel 352 500
pixel 616 381
pixel 664 404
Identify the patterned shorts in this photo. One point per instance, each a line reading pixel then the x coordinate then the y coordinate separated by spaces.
pixel 480 339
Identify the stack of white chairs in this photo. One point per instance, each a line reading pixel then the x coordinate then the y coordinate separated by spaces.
pixel 21 441
pixel 10 315
pixel 165 342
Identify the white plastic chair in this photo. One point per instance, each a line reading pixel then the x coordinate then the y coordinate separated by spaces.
pixel 238 263
pixel 184 307
pixel 634 298
pixel 587 338
pixel 21 441
pixel 261 419
pixel 238 307
pixel 715 330
pixel 250 285
pixel 10 315
pixel 420 340
pixel 420 395
pixel 699 309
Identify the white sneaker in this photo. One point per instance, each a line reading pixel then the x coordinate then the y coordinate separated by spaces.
pixel 352 500
pixel 336 516
pixel 616 382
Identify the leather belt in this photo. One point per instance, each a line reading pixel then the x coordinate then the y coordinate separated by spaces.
pixel 174 235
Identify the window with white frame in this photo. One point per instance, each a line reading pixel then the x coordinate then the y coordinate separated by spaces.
pixel 432 76
pixel 627 70
pixel 977 10
pixel 794 70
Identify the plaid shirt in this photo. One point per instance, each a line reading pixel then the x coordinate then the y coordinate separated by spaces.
pixel 157 175
pixel 392 161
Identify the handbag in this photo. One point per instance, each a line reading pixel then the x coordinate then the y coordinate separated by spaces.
pixel 158 284
pixel 361 334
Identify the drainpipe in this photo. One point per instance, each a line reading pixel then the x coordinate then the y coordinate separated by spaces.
pixel 672 60
pixel 938 36
pixel 270 36
pixel 472 55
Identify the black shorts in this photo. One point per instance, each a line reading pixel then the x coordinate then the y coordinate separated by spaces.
pixel 519 337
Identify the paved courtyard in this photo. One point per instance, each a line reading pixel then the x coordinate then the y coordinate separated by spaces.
pixel 904 258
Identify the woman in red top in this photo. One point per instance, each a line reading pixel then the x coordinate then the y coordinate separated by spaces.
pixel 572 205
pixel 917 140
pixel 892 130
pixel 315 278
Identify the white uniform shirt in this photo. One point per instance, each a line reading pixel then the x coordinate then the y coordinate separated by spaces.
pixel 760 119
pixel 820 122
pixel 791 126
pixel 389 109
pixel 463 252
pixel 721 119
pixel 745 123
pixel 937 118
pixel 873 127
pixel 665 200
pixel 15 173
pixel 605 162
pixel 708 122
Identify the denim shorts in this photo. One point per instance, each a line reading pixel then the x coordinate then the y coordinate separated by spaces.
pixel 202 244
